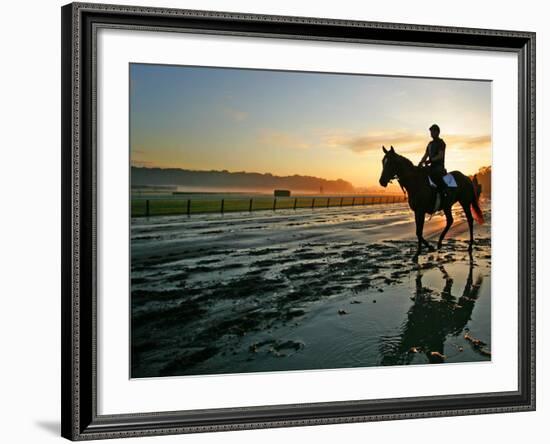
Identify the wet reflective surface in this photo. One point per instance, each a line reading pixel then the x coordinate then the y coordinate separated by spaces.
pixel 320 289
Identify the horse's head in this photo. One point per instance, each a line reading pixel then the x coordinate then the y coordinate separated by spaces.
pixel 389 166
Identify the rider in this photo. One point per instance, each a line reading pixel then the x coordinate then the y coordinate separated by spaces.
pixel 434 158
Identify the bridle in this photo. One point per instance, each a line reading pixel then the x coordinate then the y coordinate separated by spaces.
pixel 395 176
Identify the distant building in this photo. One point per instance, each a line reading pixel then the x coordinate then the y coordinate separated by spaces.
pixel 281 193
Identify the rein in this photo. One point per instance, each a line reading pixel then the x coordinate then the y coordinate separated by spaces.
pixel 402 187
pixel 396 176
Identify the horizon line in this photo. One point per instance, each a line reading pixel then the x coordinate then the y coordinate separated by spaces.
pixel 275 175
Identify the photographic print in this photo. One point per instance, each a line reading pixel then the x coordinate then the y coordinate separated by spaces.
pixel 285 220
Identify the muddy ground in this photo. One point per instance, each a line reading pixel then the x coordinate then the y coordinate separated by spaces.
pixel 305 289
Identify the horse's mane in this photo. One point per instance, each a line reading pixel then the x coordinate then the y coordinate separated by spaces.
pixel 405 160
pixel 408 164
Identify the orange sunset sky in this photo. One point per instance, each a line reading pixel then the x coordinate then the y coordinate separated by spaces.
pixel 285 123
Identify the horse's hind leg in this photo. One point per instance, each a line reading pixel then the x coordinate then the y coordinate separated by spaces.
pixel 470 219
pixel 428 245
pixel 449 217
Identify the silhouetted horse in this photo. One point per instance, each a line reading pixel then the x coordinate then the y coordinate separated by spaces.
pixel 422 196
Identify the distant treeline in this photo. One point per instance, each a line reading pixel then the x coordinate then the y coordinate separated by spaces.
pixel 484 179
pixel 142 176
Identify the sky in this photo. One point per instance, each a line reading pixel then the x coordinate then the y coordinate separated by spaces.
pixel 284 123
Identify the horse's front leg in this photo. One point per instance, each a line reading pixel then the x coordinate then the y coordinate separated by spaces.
pixel 419 220
pixel 449 218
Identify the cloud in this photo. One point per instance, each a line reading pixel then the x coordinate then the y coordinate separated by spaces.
pixel 235 114
pixel 402 141
pixel 374 141
pixel 281 139
pixel 468 142
pixel 143 163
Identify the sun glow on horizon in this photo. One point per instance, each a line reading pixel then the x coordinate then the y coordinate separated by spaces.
pixel 286 123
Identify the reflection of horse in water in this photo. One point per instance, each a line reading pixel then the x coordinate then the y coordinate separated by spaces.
pixel 431 319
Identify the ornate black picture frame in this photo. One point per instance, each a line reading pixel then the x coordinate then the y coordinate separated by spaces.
pixel 80 419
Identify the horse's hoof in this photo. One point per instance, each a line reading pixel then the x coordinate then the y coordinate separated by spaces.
pixel 431 248
pixel 439 245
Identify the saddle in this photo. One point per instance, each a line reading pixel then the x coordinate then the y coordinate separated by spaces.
pixel 450 182
pixel 448 178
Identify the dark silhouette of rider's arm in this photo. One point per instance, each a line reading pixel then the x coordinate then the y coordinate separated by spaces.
pixel 425 156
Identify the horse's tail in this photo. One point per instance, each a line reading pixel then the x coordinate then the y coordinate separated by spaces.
pixel 476 210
